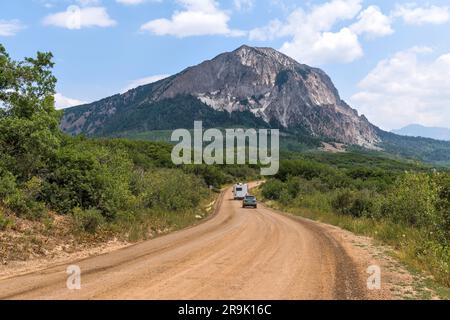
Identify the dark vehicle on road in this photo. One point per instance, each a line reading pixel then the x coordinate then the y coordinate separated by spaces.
pixel 249 201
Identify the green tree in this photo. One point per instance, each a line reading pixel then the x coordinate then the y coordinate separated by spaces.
pixel 273 189
pixel 29 132
pixel 414 200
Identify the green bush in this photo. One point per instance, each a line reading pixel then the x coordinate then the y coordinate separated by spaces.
pixel 23 201
pixel 29 143
pixel 442 181
pixel 303 168
pixel 8 184
pixel 313 200
pixel 413 200
pixel 273 189
pixel 5 222
pixel 171 190
pixel 356 203
pixel 87 220
pixel 285 198
pixel 366 204
pixel 87 176
pixel 294 186
pixel 33 188
pixel 343 201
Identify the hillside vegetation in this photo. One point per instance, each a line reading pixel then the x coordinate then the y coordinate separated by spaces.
pixel 424 149
pixel 100 185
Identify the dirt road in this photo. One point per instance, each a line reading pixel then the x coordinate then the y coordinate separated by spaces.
pixel 237 254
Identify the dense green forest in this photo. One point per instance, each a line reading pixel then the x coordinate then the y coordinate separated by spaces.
pixel 178 112
pixel 169 114
pixel 424 149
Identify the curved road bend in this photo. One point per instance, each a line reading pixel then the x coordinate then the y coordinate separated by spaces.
pixel 237 254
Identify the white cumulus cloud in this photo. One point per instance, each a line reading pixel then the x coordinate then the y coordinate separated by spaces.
pixel 373 23
pixel 62 102
pixel 342 46
pixel 327 33
pixel 199 18
pixel 405 89
pixel 9 28
pixel 77 18
pixel 414 15
pixel 313 38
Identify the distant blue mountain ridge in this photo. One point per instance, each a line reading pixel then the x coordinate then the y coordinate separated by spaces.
pixel 417 130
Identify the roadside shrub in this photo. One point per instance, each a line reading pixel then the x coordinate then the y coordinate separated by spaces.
pixel 443 182
pixel 8 184
pixel 33 188
pixel 5 222
pixel 87 176
pixel 355 203
pixel 87 220
pixel 285 198
pixel 29 142
pixel 212 175
pixel 273 189
pixel 144 154
pixel 365 204
pixel 241 172
pixel 294 186
pixel 414 200
pixel 22 201
pixel 313 200
pixel 171 190
pixel 25 207
pixel 302 168
pixel 343 201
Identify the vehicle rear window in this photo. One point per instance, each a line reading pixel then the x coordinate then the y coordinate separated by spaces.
pixel 250 197
pixel 238 189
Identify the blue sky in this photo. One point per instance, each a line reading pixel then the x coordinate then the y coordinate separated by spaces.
pixel 389 59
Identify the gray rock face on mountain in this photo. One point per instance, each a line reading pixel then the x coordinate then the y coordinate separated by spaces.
pixel 262 80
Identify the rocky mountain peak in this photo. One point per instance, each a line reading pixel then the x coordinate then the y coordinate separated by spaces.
pixel 251 55
pixel 269 84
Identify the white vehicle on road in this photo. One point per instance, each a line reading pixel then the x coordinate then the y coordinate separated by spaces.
pixel 240 191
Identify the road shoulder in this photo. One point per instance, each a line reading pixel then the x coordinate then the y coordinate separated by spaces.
pixel 67 250
pixel 397 282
